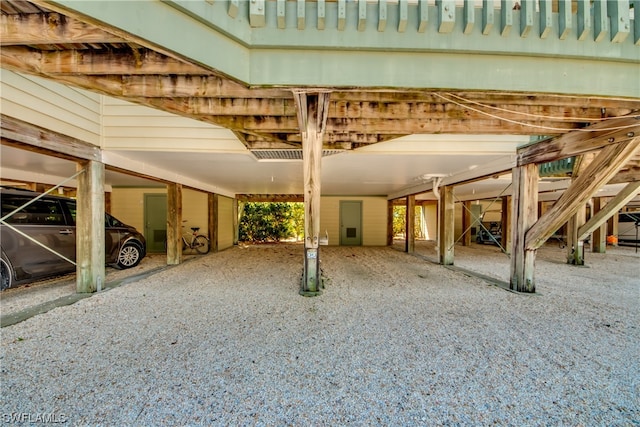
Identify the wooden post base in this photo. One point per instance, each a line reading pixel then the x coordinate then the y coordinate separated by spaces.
pixel 311 278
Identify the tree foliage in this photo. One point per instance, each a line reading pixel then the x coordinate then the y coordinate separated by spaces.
pixel 271 222
pixel 400 218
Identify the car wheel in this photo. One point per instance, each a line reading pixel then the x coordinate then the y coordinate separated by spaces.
pixel 5 276
pixel 129 256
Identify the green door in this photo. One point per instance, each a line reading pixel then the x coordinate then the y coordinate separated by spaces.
pixel 350 223
pixel 155 221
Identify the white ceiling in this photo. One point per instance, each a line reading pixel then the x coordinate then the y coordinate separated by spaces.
pixel 385 169
pixel 388 168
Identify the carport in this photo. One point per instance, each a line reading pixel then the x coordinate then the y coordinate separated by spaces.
pixel 293 124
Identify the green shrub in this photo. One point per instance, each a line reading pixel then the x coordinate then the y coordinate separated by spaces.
pixel 271 222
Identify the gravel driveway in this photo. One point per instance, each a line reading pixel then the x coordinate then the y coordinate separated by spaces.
pixel 225 339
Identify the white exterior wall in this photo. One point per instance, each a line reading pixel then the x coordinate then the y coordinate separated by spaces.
pixel 195 210
pixel 128 126
pixel 374 219
pixel 63 109
pixel 127 204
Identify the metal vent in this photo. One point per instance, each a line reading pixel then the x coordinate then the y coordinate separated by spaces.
pixel 293 154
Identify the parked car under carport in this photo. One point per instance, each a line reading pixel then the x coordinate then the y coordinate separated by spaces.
pixel 50 222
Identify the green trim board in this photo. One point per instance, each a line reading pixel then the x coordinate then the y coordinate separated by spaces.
pixel 279 53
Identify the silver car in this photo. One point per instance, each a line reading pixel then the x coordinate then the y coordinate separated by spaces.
pixel 50 221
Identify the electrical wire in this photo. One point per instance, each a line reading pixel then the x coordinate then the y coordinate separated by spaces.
pixel 538 116
pixel 531 124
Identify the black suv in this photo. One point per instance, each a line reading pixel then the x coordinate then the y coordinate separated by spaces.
pixel 50 221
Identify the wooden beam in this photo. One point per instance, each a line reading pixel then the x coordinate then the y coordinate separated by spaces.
pixel 90 232
pixel 613 227
pixel 596 175
pixel 599 234
pixel 575 246
pixel 212 223
pixel 390 204
pixel 446 227
pixel 74 62
pixel 580 142
pixel 506 220
pixel 50 28
pixel 187 86
pixel 524 211
pixel 466 221
pixel 174 224
pixel 410 225
pixel 20 134
pixel 609 210
pixel 312 118
pixel 236 220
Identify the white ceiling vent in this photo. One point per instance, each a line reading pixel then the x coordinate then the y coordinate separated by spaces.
pixel 287 155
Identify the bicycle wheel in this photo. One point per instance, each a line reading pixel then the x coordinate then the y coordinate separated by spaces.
pixel 201 244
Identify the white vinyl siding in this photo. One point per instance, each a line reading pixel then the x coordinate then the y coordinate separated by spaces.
pixel 59 108
pixel 129 126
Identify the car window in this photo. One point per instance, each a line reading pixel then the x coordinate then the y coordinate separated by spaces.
pixel 113 222
pixel 40 212
pixel 71 207
pixel 626 217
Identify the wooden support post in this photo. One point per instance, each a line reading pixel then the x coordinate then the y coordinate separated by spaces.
pixel 174 224
pixel 505 236
pixel 466 223
pixel 389 222
pixel 595 175
pixel 313 109
pixel 610 210
pixel 90 237
pixel 524 211
pixel 599 236
pixel 410 225
pixel 236 221
pixel 446 227
pixel 612 227
pixel 212 226
pixel 575 246
pixel 107 202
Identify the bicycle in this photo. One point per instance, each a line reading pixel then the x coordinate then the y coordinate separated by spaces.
pixel 193 240
pixel 199 242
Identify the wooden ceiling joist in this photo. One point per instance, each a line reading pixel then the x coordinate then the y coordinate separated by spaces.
pixel 131 61
pixel 50 28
